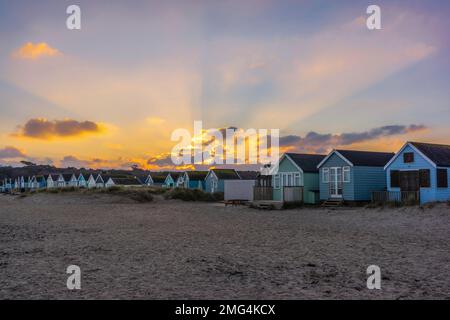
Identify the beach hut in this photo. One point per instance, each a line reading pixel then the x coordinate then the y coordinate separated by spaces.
pixel 421 169
pixel 81 181
pixel 148 181
pixel 157 178
pixel 215 179
pixel 122 182
pixel 142 178
pixel 240 189
pixel 194 179
pixel 179 183
pixel 171 178
pixel 67 178
pixel 22 182
pixel 347 175
pixel 61 182
pixel 91 182
pixel 37 182
pixel 33 184
pixel 296 178
pixel 7 184
pixel 99 182
pixel 52 181
pixel 40 182
pixel 71 180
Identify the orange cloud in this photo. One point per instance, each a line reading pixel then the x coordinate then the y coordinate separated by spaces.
pixel 34 51
pixel 44 129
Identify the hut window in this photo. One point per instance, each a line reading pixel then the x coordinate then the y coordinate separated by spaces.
pixel 424 176
pixel 442 178
pixel 395 179
pixel 276 181
pixel 297 179
pixel 346 175
pixel 408 157
pixel 325 175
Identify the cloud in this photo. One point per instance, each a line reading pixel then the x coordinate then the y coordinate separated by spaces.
pixel 35 51
pixel 99 163
pixel 40 128
pixel 160 162
pixel 71 161
pixel 321 143
pixel 11 153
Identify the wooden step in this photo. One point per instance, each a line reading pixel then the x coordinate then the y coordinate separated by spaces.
pixel 267 204
pixel 333 203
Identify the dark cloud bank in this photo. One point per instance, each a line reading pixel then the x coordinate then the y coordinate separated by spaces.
pixel 45 129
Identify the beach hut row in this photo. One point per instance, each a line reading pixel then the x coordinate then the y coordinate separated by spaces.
pixel 418 172
pixel 67 180
pixel 210 181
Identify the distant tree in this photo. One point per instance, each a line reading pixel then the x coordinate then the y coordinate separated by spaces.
pixel 135 167
pixel 28 163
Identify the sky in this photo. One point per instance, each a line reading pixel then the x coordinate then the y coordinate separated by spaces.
pixel 111 94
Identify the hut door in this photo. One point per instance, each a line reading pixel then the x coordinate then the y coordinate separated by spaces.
pixel 336 182
pixel 409 181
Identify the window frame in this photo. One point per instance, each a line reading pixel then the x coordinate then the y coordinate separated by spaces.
pixel 276 181
pixel 326 174
pixel 397 185
pixel 346 169
pixel 424 178
pixel 405 158
pixel 297 179
pixel 445 185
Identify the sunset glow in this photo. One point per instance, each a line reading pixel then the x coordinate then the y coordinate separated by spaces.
pixel 110 95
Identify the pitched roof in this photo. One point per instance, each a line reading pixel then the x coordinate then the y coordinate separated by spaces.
pixel 41 179
pixel 127 181
pixel 159 177
pixel 307 162
pixel 438 153
pixel 67 176
pixel 197 175
pixel 175 175
pixel 248 175
pixel 55 177
pixel 226 174
pixel 367 158
pixel 141 177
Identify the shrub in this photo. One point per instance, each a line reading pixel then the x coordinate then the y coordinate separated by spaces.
pixel 113 189
pixel 157 190
pixel 69 189
pixel 218 196
pixel 138 194
pixel 193 195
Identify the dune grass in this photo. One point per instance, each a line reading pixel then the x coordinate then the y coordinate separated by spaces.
pixel 193 195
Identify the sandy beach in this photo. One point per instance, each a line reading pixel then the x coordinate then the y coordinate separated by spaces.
pixel 170 249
